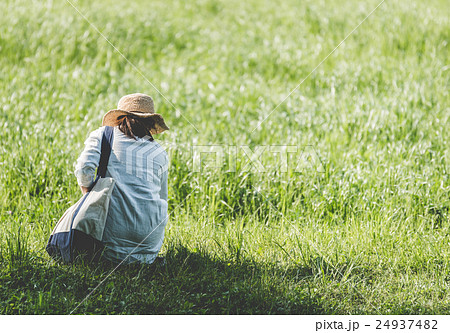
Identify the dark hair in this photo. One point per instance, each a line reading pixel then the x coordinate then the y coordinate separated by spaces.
pixel 133 126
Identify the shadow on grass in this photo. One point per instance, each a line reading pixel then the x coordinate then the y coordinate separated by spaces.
pixel 189 283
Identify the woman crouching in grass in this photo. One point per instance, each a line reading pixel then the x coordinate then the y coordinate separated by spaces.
pixel 137 215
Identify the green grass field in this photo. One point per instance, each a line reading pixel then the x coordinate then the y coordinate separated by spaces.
pixel 366 233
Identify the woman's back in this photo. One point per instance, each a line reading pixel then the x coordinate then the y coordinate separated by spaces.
pixel 137 212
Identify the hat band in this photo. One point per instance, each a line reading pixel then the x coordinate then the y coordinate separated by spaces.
pixel 136 111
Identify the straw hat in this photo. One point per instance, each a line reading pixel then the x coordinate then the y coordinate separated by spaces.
pixel 137 105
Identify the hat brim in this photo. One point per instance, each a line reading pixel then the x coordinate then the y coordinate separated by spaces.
pixel 110 119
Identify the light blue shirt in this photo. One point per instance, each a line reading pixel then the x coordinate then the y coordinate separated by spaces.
pixel 137 214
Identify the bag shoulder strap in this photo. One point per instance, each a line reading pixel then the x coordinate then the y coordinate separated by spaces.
pixel 107 140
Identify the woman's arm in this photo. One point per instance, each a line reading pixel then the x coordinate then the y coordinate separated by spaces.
pixel 89 160
pixel 84 190
pixel 164 192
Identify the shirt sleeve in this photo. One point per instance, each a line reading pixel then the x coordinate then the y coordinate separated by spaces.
pixel 89 159
pixel 164 192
